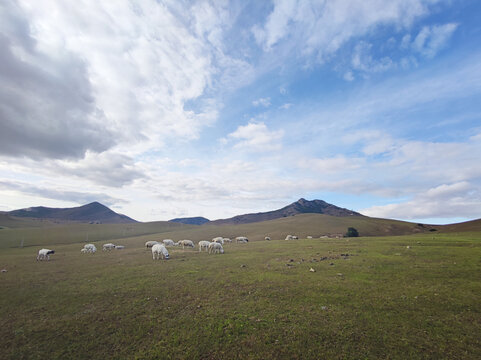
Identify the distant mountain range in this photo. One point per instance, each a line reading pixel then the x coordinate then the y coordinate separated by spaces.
pixel 199 220
pixel 94 212
pixel 301 206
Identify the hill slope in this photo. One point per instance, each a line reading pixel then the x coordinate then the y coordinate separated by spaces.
pixel 95 212
pixel 302 206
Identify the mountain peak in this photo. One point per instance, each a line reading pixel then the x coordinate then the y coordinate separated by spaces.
pixel 92 212
pixel 301 206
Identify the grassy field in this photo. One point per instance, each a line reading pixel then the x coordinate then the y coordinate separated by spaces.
pixel 257 301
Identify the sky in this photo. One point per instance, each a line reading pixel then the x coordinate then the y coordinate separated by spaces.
pixel 165 109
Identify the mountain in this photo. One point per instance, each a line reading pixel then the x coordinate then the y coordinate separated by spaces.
pixel 94 212
pixel 301 206
pixel 199 220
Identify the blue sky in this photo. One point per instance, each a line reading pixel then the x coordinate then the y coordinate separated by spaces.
pixel 163 109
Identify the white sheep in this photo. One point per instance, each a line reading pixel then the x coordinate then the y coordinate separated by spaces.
pixel 108 247
pixel 44 254
pixel 215 248
pixel 119 247
pixel 150 243
pixel 84 251
pixel 228 240
pixel 159 252
pixel 291 237
pixel 90 248
pixel 267 238
pixel 241 239
pixel 184 243
pixel 168 242
pixel 219 240
pixel 203 245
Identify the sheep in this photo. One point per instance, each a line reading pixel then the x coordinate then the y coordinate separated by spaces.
pixel 119 247
pixel 159 252
pixel 267 238
pixel 44 254
pixel 168 242
pixel 219 240
pixel 309 236
pixel 151 243
pixel 241 239
pixel 84 251
pixel 291 237
pixel 204 245
pixel 90 248
pixel 108 247
pixel 215 248
pixel 185 243
pixel 227 240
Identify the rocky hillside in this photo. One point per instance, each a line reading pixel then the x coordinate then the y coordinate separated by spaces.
pixel 302 206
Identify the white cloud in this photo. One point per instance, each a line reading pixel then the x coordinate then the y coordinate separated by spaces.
pixel 265 102
pixel 444 201
pixel 321 28
pixel 285 106
pixel 362 60
pixel 255 136
pixel 431 39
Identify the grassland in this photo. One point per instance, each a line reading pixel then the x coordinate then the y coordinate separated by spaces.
pixel 257 301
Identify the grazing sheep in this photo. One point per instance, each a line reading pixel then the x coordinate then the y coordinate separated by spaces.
pixel 184 243
pixel 309 237
pixel 219 240
pixel 294 237
pixel 203 245
pixel 44 254
pixel 84 251
pixel 119 247
pixel 159 252
pixel 267 238
pixel 90 248
pixel 168 242
pixel 241 239
pixel 227 240
pixel 108 247
pixel 215 248
pixel 291 237
pixel 150 243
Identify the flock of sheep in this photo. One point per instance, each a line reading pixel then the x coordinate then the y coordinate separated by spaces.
pixel 159 249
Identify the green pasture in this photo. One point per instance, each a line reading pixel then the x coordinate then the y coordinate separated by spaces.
pixel 257 301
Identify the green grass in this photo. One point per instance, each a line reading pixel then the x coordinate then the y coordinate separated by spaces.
pixel 51 235
pixel 384 301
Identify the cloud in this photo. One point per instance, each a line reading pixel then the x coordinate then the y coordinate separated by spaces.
pixel 108 169
pixel 362 60
pixel 52 191
pixel 265 102
pixel 444 201
pixel 431 39
pixel 47 108
pixel 285 106
pixel 321 28
pixel 256 137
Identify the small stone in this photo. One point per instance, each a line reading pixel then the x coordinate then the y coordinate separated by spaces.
pixel 312 270
pixel 243 265
pixel 323 307
pixel 4 270
pixel 331 264
pixel 291 260
pixel 289 265
pixel 340 274
pixel 408 247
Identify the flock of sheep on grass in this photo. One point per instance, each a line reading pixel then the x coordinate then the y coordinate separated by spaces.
pixel 159 249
